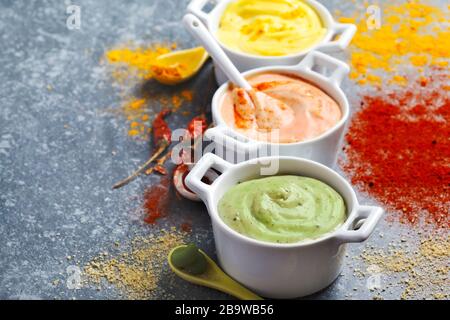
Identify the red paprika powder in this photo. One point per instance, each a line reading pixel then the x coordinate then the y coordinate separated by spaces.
pixel 398 150
pixel 156 200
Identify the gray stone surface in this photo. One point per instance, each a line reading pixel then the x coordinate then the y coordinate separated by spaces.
pixel 61 149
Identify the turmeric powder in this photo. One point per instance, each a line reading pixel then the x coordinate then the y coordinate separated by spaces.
pixel 187 95
pixel 139 113
pixel 134 110
pixel 171 73
pixel 130 67
pixel 412 33
pixel 139 60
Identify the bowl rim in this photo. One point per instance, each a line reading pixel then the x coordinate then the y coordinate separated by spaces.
pixel 215 217
pixel 296 71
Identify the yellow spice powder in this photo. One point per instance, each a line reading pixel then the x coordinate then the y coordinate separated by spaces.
pixel 139 59
pixel 134 110
pixel 412 33
pixel 187 95
pixel 131 67
pixel 139 111
pixel 423 271
pixel 135 272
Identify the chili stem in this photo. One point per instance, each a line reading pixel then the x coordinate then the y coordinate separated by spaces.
pixel 159 162
pixel 160 149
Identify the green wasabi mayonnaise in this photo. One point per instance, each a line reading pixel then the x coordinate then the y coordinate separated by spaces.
pixel 189 259
pixel 282 209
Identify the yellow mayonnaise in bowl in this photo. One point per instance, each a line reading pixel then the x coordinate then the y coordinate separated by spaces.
pixel 260 33
pixel 270 28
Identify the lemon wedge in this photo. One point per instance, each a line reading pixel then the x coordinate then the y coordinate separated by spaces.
pixel 178 66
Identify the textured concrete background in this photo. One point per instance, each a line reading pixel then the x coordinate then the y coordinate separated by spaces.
pixel 61 150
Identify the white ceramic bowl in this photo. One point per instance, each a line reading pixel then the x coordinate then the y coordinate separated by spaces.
pixel 281 270
pixel 337 38
pixel 235 147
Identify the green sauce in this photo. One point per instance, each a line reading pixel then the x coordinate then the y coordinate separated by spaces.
pixel 282 209
pixel 189 259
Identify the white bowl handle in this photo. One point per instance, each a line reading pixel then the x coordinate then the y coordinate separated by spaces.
pixel 344 32
pixel 225 136
pixel 366 219
pixel 316 62
pixel 194 178
pixel 196 8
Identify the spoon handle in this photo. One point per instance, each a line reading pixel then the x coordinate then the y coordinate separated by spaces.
pixel 199 31
pixel 237 290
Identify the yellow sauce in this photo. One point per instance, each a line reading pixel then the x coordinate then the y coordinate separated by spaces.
pixel 269 27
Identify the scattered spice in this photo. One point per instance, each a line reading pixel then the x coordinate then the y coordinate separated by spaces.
pixel 186 227
pixel 187 95
pixel 134 109
pixel 399 151
pixel 422 271
pixel 161 131
pixel 161 140
pixel 131 68
pixel 137 61
pixel 159 166
pixel 156 197
pixel 187 155
pixel 197 127
pixel 136 272
pixel 412 32
pixel 160 169
pixel 156 200
pixel 139 111
pixel 195 130
pixel 169 74
pixel 176 101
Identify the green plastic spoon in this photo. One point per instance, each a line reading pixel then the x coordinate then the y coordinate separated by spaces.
pixel 213 277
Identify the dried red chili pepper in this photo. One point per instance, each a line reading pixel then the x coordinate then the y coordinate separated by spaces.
pixel 160 169
pixel 161 140
pixel 197 126
pixel 161 131
pixel 156 198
